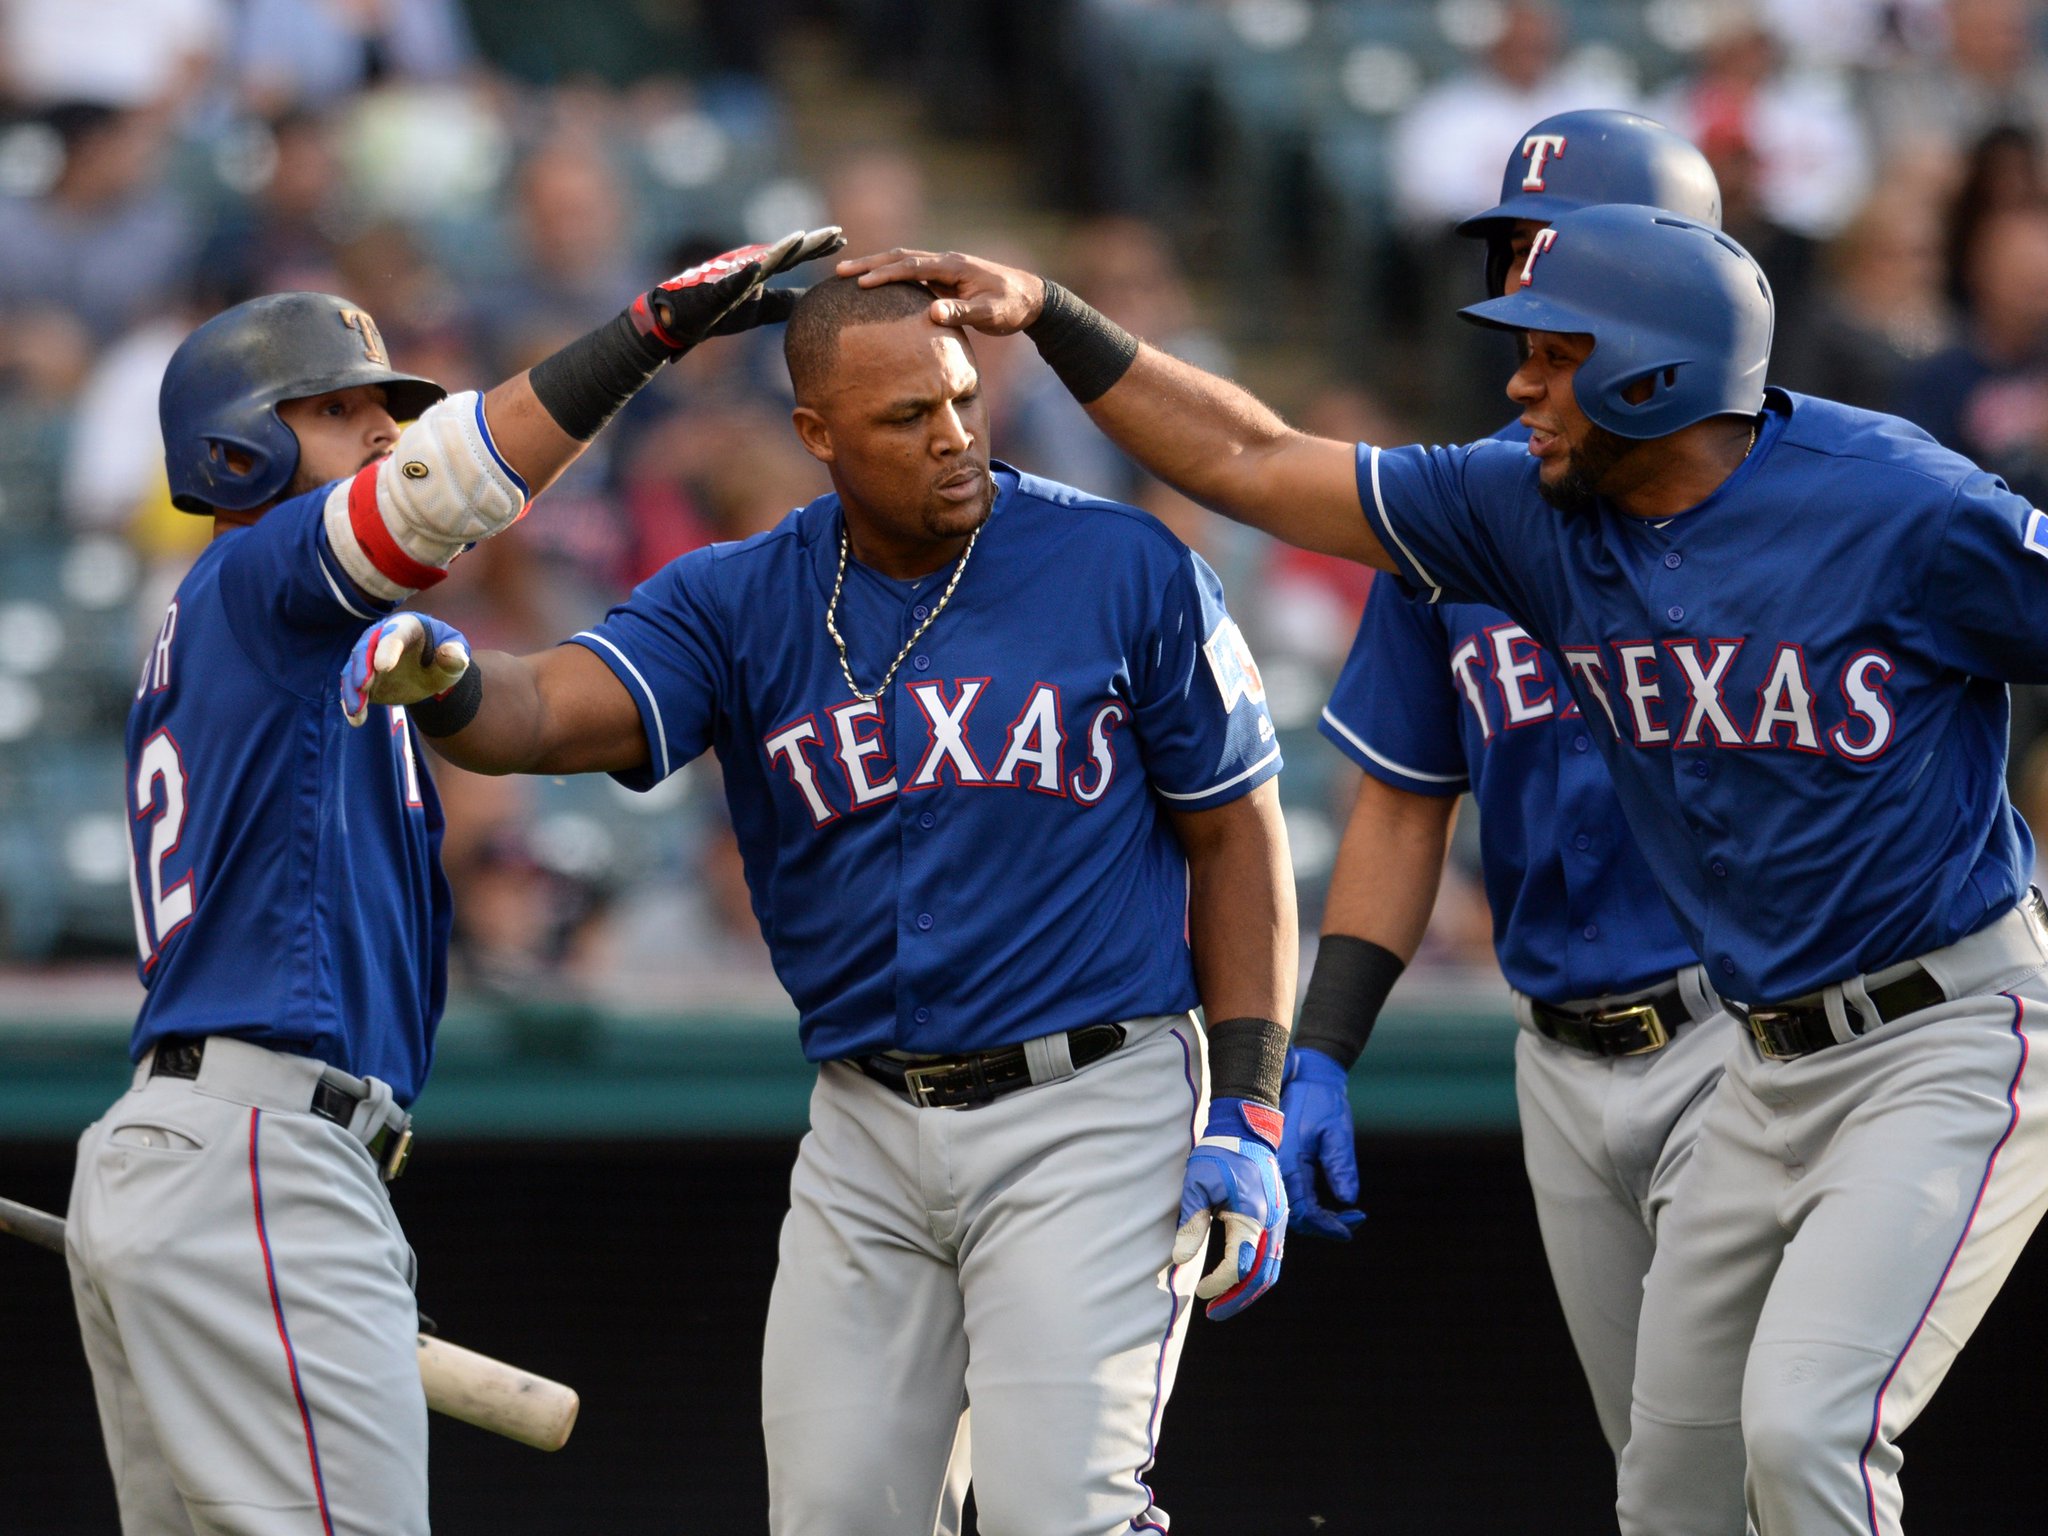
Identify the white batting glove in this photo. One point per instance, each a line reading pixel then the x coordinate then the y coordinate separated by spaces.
pixel 402 660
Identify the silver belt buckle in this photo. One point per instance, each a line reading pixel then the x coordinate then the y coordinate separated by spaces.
pixel 915 1083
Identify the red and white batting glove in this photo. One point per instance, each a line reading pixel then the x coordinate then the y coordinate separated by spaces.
pixel 728 293
pixel 1234 1173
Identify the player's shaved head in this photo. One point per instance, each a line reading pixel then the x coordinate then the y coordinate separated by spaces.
pixel 810 342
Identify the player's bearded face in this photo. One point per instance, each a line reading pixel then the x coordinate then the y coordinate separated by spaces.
pixel 338 432
pixel 1576 458
pixel 906 430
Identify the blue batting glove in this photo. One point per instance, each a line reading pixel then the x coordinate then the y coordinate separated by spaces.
pixel 1234 1173
pixel 1315 1097
pixel 401 659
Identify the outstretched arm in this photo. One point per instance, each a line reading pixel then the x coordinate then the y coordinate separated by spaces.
pixel 468 468
pixel 1201 434
pixel 560 711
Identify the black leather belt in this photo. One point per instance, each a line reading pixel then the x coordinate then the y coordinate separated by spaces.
pixel 1784 1031
pixel 1627 1029
pixel 181 1055
pixel 980 1077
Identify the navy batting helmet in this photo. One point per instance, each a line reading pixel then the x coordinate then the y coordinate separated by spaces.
pixel 1577 159
pixel 226 379
pixel 1666 300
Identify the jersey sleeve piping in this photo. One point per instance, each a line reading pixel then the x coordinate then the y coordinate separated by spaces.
pixel 591 637
pixel 1234 780
pixel 483 429
pixel 1435 587
pixel 335 587
pixel 1425 783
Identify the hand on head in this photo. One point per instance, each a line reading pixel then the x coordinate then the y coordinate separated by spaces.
pixel 980 295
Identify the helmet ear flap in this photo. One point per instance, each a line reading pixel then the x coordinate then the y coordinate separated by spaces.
pixel 263 473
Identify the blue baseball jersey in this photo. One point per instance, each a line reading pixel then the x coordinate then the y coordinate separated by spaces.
pixel 287 877
pixel 978 856
pixel 1436 699
pixel 1799 684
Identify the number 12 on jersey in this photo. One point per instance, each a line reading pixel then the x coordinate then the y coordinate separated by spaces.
pixel 160 786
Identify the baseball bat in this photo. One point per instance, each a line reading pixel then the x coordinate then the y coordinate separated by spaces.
pixel 459 1382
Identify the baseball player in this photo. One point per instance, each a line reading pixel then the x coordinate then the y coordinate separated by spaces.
pixel 1001 770
pixel 1621 1038
pixel 1788 626
pixel 242 1284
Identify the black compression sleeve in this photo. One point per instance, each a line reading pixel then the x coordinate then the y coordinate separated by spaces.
pixel 447 713
pixel 1086 349
pixel 1346 991
pixel 1246 1060
pixel 583 385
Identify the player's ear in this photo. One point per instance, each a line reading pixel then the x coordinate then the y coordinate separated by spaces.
pixel 814 434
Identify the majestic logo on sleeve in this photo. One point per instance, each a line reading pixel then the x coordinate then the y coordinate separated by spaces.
pixel 1230 660
pixel 839 759
pixel 1539 149
pixel 2036 537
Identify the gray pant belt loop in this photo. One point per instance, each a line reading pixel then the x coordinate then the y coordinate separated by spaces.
pixel 245 1073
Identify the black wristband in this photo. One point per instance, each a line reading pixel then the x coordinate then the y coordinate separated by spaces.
pixel 446 713
pixel 1346 991
pixel 1086 349
pixel 1246 1060
pixel 583 385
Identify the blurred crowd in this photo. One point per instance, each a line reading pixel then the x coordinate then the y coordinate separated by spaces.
pixel 1255 184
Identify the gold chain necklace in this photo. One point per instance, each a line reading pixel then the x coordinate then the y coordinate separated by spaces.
pixel 832 628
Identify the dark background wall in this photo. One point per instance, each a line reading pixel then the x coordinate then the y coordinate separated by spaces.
pixel 1418 1380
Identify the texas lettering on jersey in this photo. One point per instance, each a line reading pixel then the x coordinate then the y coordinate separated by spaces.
pixel 1039 750
pixel 1681 693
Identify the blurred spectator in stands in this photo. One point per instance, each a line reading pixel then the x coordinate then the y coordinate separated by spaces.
pixel 1311 604
pixel 291 53
pixel 1856 33
pixel 1811 161
pixel 1787 256
pixel 877 195
pixel 2003 171
pixel 283 235
pixel 106 241
pixel 1878 310
pixel 1988 75
pixel 44 355
pixel 571 255
pixel 1987 395
pixel 521 907
pixel 699 928
pixel 1129 272
pixel 132 54
pixel 1447 146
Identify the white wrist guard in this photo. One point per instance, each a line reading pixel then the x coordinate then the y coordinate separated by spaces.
pixel 398 525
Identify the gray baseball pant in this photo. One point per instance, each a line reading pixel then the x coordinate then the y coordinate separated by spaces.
pixel 1848 1217
pixel 245 1297
pixel 1015 1256
pixel 1605 1140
